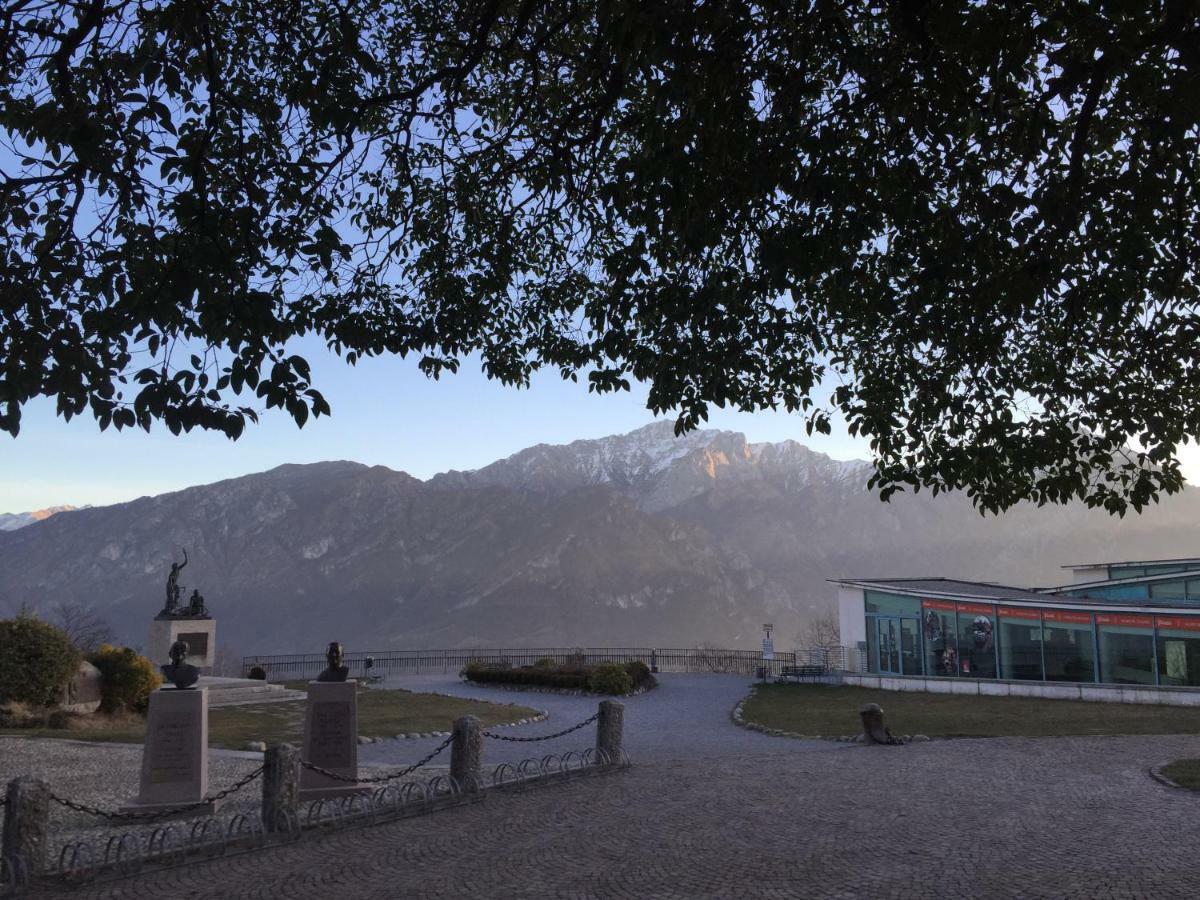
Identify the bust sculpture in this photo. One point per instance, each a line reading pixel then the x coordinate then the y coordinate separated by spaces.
pixel 179 672
pixel 336 670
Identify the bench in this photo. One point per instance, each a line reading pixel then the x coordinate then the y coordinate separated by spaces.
pixel 802 673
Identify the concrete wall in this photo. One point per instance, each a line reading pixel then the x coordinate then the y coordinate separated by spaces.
pixel 1095 693
pixel 852 620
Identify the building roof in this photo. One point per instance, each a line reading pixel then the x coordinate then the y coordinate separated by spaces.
pixel 1137 562
pixel 952 586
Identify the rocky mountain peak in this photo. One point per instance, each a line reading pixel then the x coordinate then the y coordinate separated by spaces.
pixel 13 521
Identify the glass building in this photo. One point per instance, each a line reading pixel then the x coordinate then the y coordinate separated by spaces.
pixel 1134 623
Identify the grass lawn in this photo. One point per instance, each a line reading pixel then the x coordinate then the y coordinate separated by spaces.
pixel 832 710
pixel 1184 772
pixel 381 713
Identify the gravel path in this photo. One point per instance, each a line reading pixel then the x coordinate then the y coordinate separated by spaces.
pixel 980 819
pixel 685 717
pixel 106 776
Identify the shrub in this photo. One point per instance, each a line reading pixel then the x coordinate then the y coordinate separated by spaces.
pixel 638 671
pixel 128 678
pixel 610 678
pixel 258 673
pixel 544 662
pixel 36 661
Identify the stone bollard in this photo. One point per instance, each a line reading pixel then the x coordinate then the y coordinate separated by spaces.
pixel 610 729
pixel 281 787
pixel 874 731
pixel 466 753
pixel 27 824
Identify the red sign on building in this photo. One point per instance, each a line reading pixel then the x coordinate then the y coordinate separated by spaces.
pixel 1124 620
pixel 1067 617
pixel 1020 612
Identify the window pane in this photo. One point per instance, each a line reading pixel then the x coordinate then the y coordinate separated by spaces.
pixel 1070 654
pixel 872 645
pixel 1167 590
pixel 941 651
pixel 1193 589
pixel 910 646
pixel 892 604
pixel 1115 572
pixel 1179 650
pixel 976 641
pixel 1126 649
pixel 1122 592
pixel 1021 645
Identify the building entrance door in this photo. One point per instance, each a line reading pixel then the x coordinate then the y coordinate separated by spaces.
pixel 889 645
pixel 899 642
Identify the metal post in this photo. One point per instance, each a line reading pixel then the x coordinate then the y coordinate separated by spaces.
pixel 466 753
pixel 610 730
pixel 26 825
pixel 281 788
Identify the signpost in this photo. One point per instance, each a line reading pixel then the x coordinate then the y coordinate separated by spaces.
pixel 768 650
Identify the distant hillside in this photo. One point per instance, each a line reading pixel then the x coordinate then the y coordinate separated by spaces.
pixel 636 539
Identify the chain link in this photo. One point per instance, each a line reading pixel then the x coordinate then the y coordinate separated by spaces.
pixel 118 816
pixel 377 779
pixel 543 737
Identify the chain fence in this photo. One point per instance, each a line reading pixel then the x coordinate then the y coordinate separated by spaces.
pixel 379 779
pixel 132 816
pixel 541 737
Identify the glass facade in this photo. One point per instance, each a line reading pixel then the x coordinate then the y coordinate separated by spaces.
pixel 1178 650
pixel 1068 646
pixel 1126 648
pixel 960 639
pixel 1020 643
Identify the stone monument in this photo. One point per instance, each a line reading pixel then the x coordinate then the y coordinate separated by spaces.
pixel 331 731
pixel 188 621
pixel 175 756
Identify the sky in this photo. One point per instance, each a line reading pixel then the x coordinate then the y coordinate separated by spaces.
pixel 385 412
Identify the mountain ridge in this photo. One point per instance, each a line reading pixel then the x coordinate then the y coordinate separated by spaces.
pixel 636 539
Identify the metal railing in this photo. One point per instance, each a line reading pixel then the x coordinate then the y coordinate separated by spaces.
pixel 695 659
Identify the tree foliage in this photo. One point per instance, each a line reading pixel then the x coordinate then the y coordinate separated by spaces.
pixel 36 661
pixel 127 678
pixel 976 220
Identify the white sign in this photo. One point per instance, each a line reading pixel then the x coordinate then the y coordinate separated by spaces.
pixel 768 648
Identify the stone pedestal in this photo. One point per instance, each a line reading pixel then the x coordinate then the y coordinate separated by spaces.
pixel 330 739
pixel 281 788
pixel 27 826
pixel 466 753
pixel 175 758
pixel 610 729
pixel 200 633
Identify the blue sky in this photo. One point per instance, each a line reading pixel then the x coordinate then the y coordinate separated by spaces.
pixel 384 412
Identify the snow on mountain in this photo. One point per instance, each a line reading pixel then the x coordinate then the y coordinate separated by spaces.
pixel 13 521
pixel 657 469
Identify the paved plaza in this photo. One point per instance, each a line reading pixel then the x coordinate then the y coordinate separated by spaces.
pixel 738 814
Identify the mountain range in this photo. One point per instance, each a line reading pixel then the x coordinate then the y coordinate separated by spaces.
pixel 641 539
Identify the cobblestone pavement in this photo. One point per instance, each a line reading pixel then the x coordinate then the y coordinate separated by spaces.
pixel 1014 817
pixel 685 717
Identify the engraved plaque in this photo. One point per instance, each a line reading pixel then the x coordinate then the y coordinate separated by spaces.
pixel 173 748
pixel 331 744
pixel 197 642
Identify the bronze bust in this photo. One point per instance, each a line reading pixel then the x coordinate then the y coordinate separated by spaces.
pixel 179 672
pixel 336 670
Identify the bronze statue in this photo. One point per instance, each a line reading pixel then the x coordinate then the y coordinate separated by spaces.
pixel 173 585
pixel 336 670
pixel 196 605
pixel 179 672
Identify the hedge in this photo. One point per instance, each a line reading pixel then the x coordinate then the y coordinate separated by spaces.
pixel 602 678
